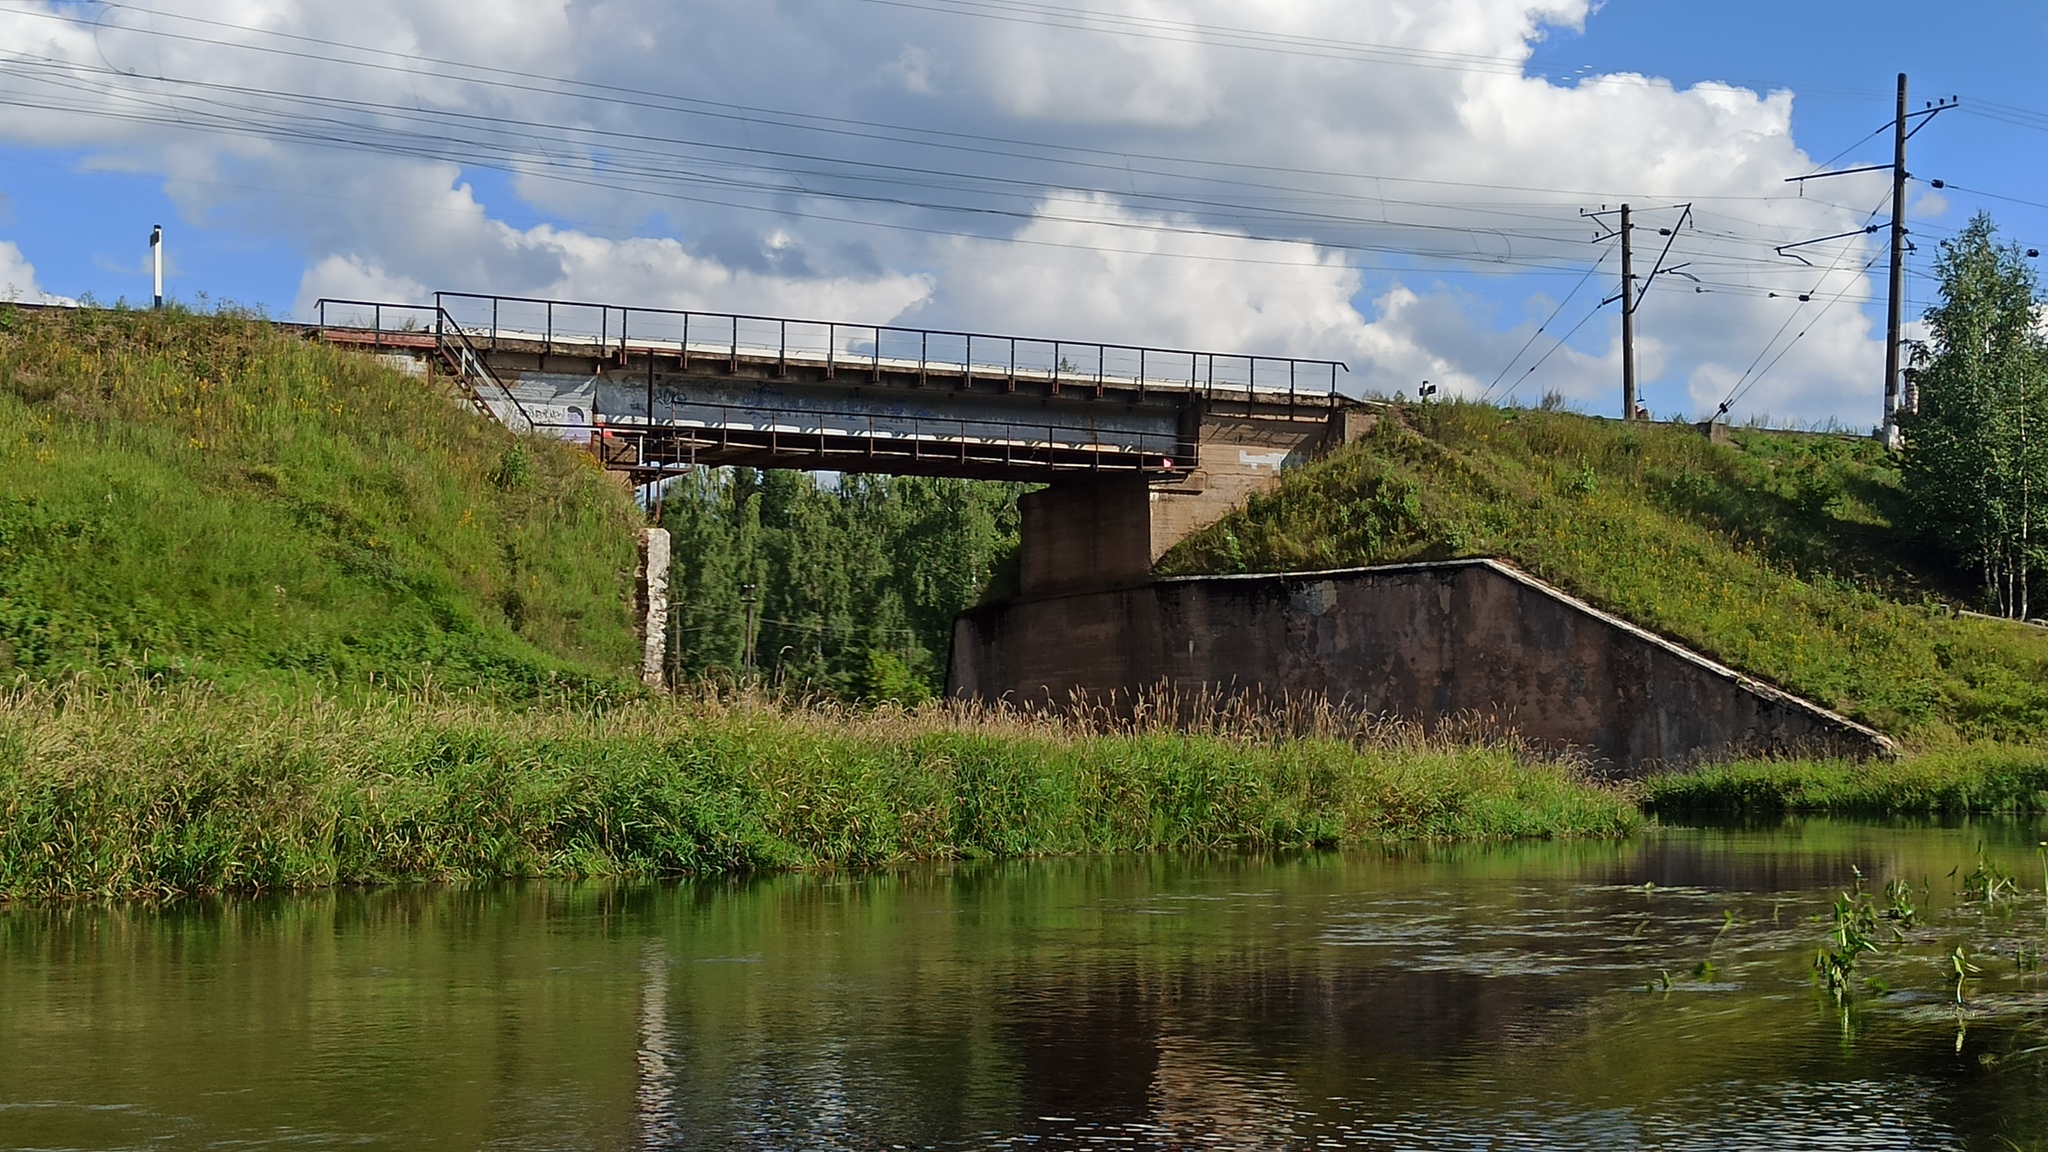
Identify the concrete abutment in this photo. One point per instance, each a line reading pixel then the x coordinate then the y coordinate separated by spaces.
pixel 1427 643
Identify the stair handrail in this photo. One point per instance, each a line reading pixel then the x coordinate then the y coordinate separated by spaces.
pixel 451 342
pixel 446 325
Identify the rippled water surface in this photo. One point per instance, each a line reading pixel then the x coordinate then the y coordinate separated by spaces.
pixel 1650 994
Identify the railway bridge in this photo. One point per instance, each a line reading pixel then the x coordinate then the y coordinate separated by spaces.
pixel 1137 446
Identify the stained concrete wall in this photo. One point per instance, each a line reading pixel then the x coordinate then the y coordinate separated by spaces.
pixel 1422 642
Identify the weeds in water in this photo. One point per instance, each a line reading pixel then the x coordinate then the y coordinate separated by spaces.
pixel 1898 895
pixel 1850 938
pixel 1988 882
pixel 2043 851
pixel 1704 971
pixel 1960 970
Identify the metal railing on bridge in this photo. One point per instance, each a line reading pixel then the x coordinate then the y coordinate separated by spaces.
pixel 559 326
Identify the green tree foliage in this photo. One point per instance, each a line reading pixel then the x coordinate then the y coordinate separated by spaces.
pixel 852 589
pixel 1975 467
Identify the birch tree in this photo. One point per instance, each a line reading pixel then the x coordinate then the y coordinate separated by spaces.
pixel 1975 465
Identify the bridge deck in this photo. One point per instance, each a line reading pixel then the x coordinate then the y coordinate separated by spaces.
pixel 765 392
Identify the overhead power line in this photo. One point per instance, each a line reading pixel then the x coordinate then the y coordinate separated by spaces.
pixel 1540 328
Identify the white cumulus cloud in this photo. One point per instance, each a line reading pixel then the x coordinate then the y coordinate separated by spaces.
pixel 18 279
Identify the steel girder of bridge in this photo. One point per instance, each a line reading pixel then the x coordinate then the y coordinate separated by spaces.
pixel 654 391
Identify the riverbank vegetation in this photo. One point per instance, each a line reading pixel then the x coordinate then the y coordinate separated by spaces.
pixel 1968 780
pixel 158 792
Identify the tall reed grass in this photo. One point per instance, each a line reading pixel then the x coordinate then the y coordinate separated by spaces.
pixel 159 792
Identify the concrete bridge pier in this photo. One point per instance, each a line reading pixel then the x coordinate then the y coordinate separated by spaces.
pixel 1081 535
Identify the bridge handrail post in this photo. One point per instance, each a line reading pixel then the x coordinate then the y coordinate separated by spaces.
pixel 735 365
pixel 831 347
pixel 1290 382
pixel 782 351
pixel 1101 359
pixel 1141 371
pixel 924 348
pixel 875 372
pixel 494 323
pixel 1055 367
pixel 684 364
pixel 967 382
pixel 548 338
pixel 1010 381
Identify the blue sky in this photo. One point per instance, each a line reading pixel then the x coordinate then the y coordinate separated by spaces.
pixel 271 224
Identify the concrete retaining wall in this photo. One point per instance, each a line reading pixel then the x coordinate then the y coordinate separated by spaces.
pixel 1423 642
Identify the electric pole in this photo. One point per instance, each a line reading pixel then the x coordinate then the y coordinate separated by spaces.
pixel 1895 309
pixel 1629 295
pixel 1895 306
pixel 1628 321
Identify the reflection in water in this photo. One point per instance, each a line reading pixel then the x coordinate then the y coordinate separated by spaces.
pixel 1649 994
pixel 656 1085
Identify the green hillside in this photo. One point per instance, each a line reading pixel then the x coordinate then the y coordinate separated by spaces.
pixel 188 496
pixel 1775 554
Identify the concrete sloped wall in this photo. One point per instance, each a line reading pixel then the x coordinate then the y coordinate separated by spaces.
pixel 1422 642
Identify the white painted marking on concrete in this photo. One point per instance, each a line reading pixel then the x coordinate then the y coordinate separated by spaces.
pixel 1252 459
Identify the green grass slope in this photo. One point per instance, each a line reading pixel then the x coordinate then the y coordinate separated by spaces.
pixel 187 496
pixel 1775 554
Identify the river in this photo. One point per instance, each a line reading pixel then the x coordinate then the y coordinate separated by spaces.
pixel 1652 993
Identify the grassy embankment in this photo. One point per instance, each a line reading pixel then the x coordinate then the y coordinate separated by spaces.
pixel 277 615
pixel 1777 554
pixel 201 497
